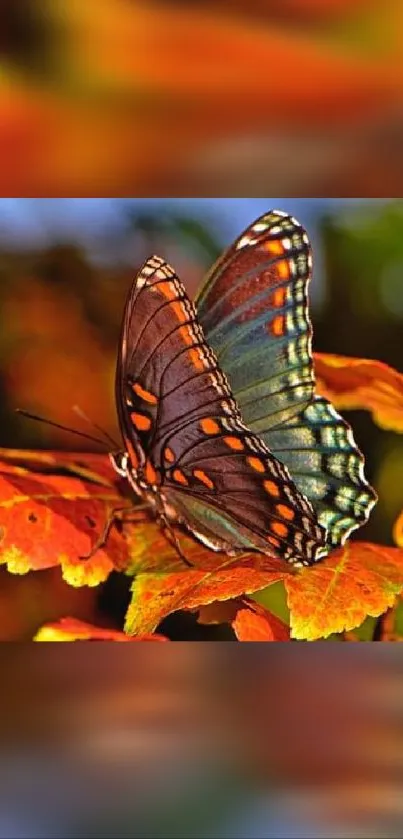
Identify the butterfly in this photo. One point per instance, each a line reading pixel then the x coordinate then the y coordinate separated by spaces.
pixel 223 433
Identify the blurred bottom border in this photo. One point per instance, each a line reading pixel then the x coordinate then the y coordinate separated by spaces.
pixel 150 740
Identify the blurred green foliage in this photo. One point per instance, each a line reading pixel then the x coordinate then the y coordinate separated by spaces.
pixel 362 316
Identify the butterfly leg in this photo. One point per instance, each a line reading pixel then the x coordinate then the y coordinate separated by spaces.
pixel 117 514
pixel 173 539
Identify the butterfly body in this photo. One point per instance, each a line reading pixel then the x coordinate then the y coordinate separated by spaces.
pixel 195 452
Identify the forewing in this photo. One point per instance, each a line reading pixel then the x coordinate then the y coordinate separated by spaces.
pixel 165 371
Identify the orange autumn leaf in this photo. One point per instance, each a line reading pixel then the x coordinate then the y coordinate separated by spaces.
pixel 360 383
pixel 70 629
pixel 164 584
pixel 53 508
pixel 254 623
pixel 336 595
pixel 353 582
pixel 155 596
pixel 52 518
pixel 249 620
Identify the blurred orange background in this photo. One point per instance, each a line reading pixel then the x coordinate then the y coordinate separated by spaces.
pixel 125 97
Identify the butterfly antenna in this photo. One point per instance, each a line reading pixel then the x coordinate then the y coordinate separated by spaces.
pixel 58 425
pixel 77 410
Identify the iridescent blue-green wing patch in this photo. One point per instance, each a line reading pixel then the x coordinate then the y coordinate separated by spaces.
pixel 253 308
pixel 318 448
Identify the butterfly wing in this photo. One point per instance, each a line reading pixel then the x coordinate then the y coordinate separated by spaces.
pixel 318 447
pixel 253 308
pixel 185 436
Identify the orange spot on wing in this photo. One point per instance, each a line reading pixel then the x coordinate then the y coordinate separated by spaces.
pixel 177 306
pixel 275 248
pixel 196 359
pixel 285 512
pixel 273 541
pixel 279 528
pixel 132 454
pixel 150 473
pixel 201 476
pixel 169 455
pixel 209 426
pixel 234 443
pixel 271 488
pixel 166 289
pixel 283 269
pixel 277 325
pixel 144 394
pixel 186 336
pixel 278 298
pixel 141 422
pixel 256 464
pixel 179 477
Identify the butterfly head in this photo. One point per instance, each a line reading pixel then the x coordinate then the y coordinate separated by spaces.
pixel 140 483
